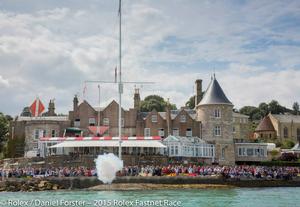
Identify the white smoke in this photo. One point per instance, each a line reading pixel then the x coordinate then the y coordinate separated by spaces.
pixel 107 165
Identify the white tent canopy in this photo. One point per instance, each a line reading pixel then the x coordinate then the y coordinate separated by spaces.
pixel 111 143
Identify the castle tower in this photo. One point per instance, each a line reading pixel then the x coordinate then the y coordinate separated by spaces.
pixel 215 113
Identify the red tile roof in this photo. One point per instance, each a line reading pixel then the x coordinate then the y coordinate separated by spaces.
pixel 265 125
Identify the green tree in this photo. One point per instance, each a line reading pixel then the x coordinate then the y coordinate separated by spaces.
pixel 155 102
pixel 253 112
pixel 287 144
pixel 264 108
pixel 4 124
pixel 14 147
pixel 191 102
pixel 276 108
pixel 296 108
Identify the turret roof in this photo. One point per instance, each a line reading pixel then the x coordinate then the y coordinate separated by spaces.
pixel 214 94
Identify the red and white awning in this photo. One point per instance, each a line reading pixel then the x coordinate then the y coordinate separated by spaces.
pixel 62 139
pixel 66 142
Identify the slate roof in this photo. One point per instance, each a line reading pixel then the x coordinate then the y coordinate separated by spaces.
pixel 214 94
pixel 287 118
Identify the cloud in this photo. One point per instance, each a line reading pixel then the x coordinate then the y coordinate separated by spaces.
pixel 3 82
pixel 50 49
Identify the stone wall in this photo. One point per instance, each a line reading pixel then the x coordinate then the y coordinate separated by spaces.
pixel 223 143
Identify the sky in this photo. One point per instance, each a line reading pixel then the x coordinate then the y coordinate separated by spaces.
pixel 49 48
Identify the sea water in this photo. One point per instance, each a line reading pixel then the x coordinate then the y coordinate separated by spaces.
pixel 265 197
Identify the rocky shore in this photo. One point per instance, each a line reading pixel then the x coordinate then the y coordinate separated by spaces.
pixel 28 185
pixel 139 183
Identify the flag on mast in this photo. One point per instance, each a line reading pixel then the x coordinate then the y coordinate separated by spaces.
pixel 36 107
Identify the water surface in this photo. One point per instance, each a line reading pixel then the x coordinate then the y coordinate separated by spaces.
pixel 264 197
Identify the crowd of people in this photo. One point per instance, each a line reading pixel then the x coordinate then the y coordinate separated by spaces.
pixel 241 171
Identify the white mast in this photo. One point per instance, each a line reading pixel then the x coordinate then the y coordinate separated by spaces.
pixel 120 83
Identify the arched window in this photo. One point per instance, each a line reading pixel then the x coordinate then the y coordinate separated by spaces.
pixel 285 132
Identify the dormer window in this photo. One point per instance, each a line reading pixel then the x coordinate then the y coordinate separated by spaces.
pixel 217 113
pixel 154 118
pixel 182 118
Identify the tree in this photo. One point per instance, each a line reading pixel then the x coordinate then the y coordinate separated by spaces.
pixel 276 108
pixel 296 108
pixel 191 102
pixel 155 102
pixel 253 112
pixel 4 124
pixel 264 108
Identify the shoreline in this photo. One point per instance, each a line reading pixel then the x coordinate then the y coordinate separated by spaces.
pixel 139 183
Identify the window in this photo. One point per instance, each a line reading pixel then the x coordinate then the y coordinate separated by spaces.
pixel 233 129
pixel 262 152
pixel 188 132
pixel 106 121
pixel 182 118
pixel 175 132
pixel 147 132
pixel 92 121
pixel 161 133
pixel 250 152
pixel 217 131
pixel 39 133
pixel 154 118
pixel 36 134
pixel 176 150
pixel 257 152
pixel 172 150
pixel 285 132
pixel 240 152
pixel 77 123
pixel 53 133
pixel 217 113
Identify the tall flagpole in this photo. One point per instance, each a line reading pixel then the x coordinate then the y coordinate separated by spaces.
pixel 120 84
pixel 99 110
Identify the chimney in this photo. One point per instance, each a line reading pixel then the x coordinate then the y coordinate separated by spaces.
pixel 75 104
pixel 137 99
pixel 51 108
pixel 198 88
pixel 168 117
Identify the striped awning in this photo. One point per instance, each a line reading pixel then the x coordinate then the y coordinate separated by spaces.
pixel 111 143
pixel 62 139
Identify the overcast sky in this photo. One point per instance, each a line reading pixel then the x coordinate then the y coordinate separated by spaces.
pixel 49 48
